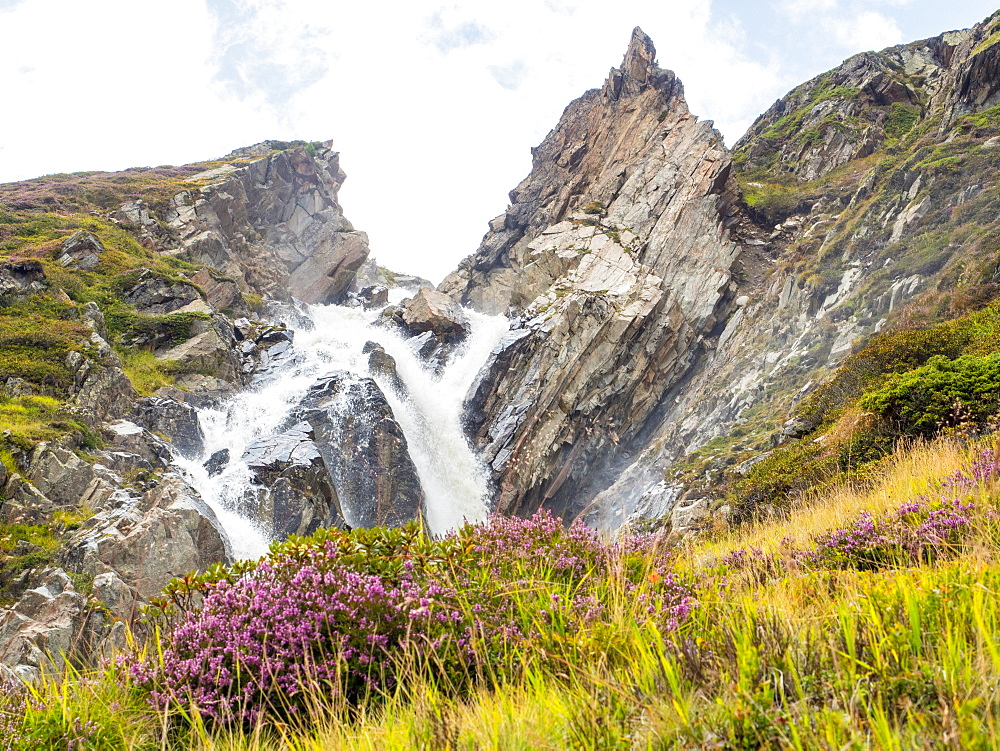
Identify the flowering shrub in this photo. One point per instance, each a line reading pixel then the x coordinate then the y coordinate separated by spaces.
pixel 342 612
pixel 919 531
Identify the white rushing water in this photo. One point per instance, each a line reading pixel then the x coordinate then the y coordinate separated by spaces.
pixel 453 479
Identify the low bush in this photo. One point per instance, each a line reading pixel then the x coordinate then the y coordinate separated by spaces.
pixel 941 393
pixel 350 613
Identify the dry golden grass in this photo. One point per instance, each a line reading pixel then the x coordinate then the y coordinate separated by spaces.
pixel 906 475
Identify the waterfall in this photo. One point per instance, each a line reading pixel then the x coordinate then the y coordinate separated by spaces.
pixel 329 338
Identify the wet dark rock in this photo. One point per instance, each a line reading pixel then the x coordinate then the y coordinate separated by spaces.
pixel 217 462
pixel 364 451
pixel 375 296
pixel 382 364
pixel 297 494
pixel 391 318
pixel 266 351
pixel 176 420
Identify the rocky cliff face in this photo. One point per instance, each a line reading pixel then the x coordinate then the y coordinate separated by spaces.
pixel 870 190
pixel 673 298
pixel 617 257
pixel 176 272
pixel 273 223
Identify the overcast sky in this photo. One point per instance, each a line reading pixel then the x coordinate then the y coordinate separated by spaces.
pixel 434 106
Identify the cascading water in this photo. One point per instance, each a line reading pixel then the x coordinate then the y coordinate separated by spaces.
pixel 428 410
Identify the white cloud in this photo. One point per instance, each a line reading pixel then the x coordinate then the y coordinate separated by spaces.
pixel 434 105
pixel 798 9
pixel 865 31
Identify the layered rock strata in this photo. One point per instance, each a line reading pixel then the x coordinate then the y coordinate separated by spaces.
pixel 616 256
pixel 273 223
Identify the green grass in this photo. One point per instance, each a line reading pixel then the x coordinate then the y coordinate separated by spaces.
pixel 145 371
pixel 791 657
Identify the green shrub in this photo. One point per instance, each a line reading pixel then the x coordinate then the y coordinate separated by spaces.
pixel 894 352
pixel 770 484
pixel 940 393
pixel 170 329
pixel 900 119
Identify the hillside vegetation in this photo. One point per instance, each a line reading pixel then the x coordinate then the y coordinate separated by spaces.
pixel 868 621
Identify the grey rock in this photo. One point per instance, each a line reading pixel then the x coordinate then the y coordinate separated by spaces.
pixel 221 292
pixel 176 420
pixel 364 451
pixel 217 462
pixel 273 225
pixel 49 625
pixel 210 351
pixel 147 540
pixel 298 495
pixel 382 365
pixel 20 278
pixel 114 594
pixel 82 251
pixel 688 514
pixel 612 315
pixel 100 391
pixel 66 480
pixel 375 296
pixel 157 296
pixel 437 313
pixel 198 390
pixel 127 439
pixel 18 387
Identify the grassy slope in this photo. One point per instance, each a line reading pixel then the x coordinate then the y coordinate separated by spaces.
pixel 775 656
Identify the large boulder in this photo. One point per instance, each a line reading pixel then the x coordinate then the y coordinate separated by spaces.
pixel 158 296
pixel 129 446
pixel 364 451
pixel 297 494
pixel 221 292
pixel 435 312
pixel 210 350
pixel 149 539
pixel 47 625
pixel 82 251
pixel 176 420
pixel 99 391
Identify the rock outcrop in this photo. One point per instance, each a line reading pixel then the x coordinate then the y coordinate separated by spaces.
pixel 616 254
pixel 364 451
pixel 297 494
pixel 149 539
pixel 273 224
pixel 870 188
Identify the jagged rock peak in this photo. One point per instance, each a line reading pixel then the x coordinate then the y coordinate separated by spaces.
pixel 639 71
pixel 616 258
pixel 638 117
pixel 638 67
